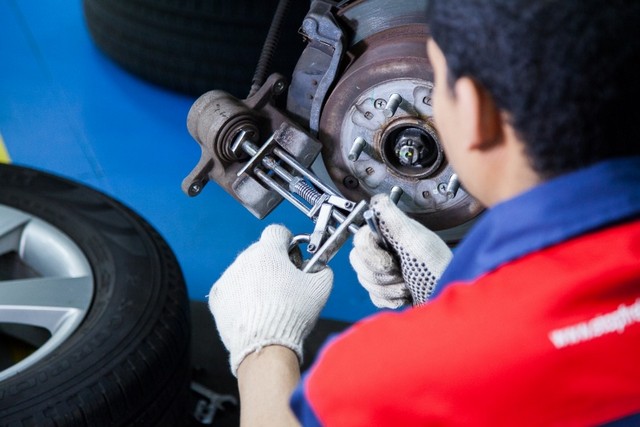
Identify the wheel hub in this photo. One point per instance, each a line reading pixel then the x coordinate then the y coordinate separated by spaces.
pixel 384 98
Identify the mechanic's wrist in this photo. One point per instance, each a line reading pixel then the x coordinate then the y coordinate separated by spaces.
pixel 266 380
pixel 240 354
pixel 273 354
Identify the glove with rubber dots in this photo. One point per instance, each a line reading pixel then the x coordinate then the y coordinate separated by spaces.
pixel 407 272
pixel 264 299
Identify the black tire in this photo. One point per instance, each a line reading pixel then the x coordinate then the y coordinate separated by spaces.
pixel 128 362
pixel 193 45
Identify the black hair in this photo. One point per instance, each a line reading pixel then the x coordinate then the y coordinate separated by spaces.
pixel 567 72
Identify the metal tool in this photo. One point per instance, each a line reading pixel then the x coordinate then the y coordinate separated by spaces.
pixel 371 220
pixel 262 162
pixel 209 403
pixel 335 217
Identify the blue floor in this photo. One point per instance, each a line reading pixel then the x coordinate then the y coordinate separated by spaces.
pixel 67 109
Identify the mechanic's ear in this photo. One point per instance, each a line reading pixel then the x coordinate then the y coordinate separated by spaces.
pixel 481 122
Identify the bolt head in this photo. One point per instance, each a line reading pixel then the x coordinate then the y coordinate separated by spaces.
pixel 195 188
pixel 350 182
pixel 411 148
pixel 279 87
pixel 408 155
pixel 380 104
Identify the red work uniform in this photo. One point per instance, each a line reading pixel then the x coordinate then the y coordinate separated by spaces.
pixel 536 322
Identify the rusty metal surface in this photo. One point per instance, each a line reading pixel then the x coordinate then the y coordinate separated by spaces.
pixel 388 62
pixel 365 18
pixel 215 121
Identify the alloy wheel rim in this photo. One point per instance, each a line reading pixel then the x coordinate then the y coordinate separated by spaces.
pixel 56 296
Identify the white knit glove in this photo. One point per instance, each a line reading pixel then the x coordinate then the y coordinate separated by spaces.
pixel 264 299
pixel 409 273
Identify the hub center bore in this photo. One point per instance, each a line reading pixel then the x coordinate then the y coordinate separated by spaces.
pixel 412 150
pixel 415 148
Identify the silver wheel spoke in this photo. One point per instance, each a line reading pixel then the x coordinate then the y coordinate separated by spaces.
pixel 12 222
pixel 43 301
pixel 57 299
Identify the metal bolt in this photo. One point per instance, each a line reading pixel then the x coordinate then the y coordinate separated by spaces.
pixel 408 154
pixel 195 188
pixel 453 186
pixel 442 188
pixel 369 170
pixel 350 182
pixel 279 87
pixel 368 115
pixel 380 104
pixel 395 194
pixel 356 148
pixel 392 105
pixel 413 148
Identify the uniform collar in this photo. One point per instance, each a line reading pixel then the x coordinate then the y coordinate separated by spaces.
pixel 550 213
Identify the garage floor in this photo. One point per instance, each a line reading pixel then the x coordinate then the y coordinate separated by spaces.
pixel 67 109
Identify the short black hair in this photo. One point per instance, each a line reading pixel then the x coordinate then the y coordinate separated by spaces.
pixel 567 72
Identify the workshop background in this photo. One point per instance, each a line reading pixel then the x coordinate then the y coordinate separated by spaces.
pixel 67 109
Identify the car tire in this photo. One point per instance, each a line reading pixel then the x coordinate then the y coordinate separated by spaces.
pixel 127 363
pixel 193 46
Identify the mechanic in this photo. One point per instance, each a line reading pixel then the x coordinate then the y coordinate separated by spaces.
pixel 536 319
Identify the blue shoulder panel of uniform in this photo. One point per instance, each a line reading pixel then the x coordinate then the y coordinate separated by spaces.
pixel 301 407
pixel 559 209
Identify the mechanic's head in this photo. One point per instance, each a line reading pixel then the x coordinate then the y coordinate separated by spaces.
pixel 563 73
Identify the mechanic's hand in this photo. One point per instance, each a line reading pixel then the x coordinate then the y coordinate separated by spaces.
pixel 410 272
pixel 264 299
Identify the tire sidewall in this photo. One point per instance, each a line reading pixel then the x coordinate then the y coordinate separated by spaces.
pixel 138 291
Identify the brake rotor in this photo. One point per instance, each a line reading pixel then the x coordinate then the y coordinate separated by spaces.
pixel 377 125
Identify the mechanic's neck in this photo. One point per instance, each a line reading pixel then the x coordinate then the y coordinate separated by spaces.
pixel 508 171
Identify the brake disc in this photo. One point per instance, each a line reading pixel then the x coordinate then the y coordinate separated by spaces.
pixel 377 126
